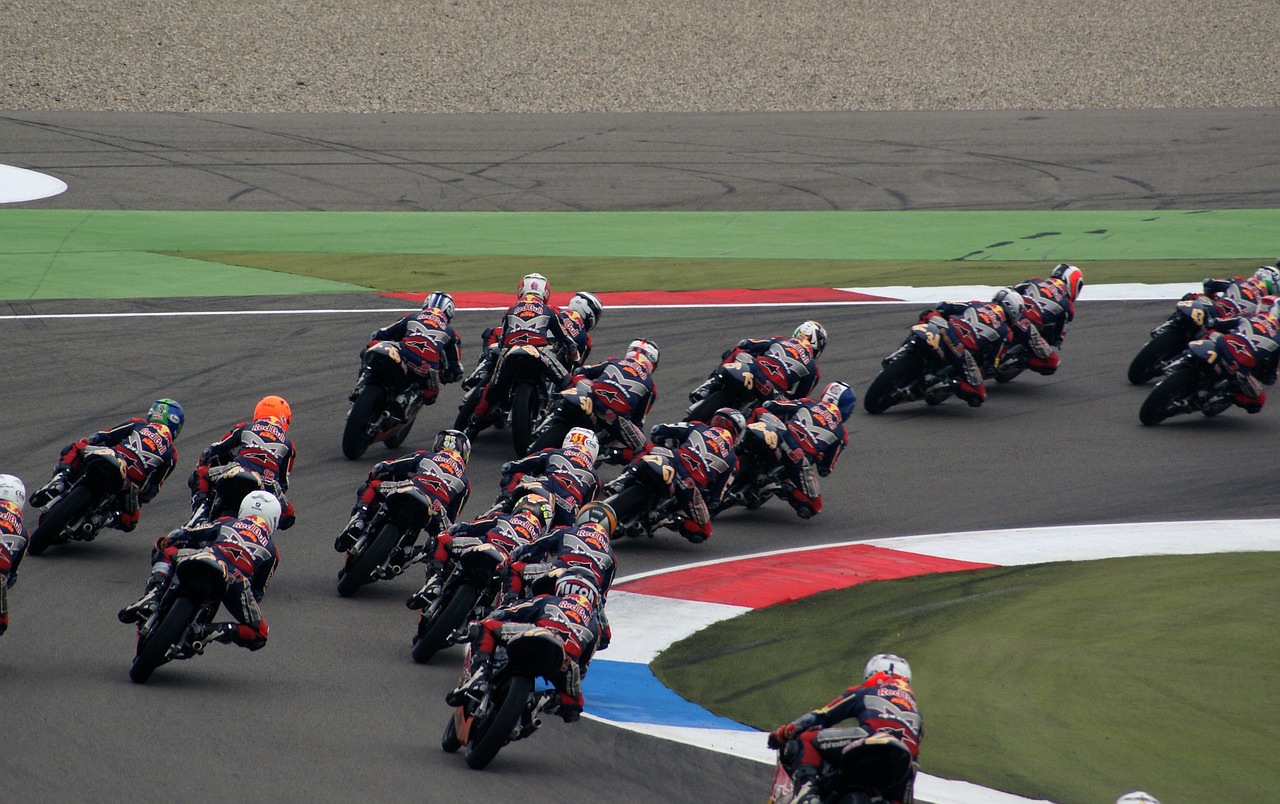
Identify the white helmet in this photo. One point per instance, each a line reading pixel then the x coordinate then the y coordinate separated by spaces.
pixel 644 349
pixel 814 333
pixel 583 439
pixel 1071 276
pixel 534 285
pixel 441 301
pixel 889 663
pixel 1011 301
pixel 263 505
pixel 1137 797
pixel 1269 278
pixel 588 306
pixel 12 489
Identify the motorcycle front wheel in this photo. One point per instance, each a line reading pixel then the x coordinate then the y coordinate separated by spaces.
pixel 898 374
pixel 1173 388
pixel 488 737
pixel 152 650
pixel 1160 348
pixel 74 504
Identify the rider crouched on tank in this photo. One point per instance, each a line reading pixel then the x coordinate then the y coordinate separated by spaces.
pixel 147 447
pixel 1247 292
pixel 242 543
pixel 705 467
pixel 577 319
pixel 1262 331
pixel 429 347
pixel 883 704
pixel 441 472
pixel 622 393
pixel 1006 311
pixel 797 356
pixel 568 473
pixel 13 539
pixel 1051 303
pixel 811 443
pixel 261 446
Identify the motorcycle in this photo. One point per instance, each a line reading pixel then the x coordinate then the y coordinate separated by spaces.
pixel 643 497
pixel 228 485
pixel 510 705
pixel 1202 378
pixel 742 381
pixel 470 588
pixel 1191 319
pixel 92 501
pixel 917 370
pixel 525 380
pixel 388 545
pixel 384 377
pixel 857 768
pixel 193 596
pixel 760 472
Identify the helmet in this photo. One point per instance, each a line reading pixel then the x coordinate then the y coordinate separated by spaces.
pixel 588 306
pixel 645 350
pixel 12 489
pixel 1011 301
pixel 1137 797
pixel 1269 278
pixel 167 411
pixel 264 505
pixel 438 300
pixel 1071 276
pixel 887 663
pixel 578 583
pixel 273 407
pixel 842 396
pixel 601 513
pixel 538 505
pixel 731 420
pixel 454 441
pixel 815 334
pixel 583 439
pixel 534 285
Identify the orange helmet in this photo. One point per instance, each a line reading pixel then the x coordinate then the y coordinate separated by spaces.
pixel 273 407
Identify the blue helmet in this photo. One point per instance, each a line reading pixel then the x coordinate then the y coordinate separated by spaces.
pixel 842 396
pixel 167 412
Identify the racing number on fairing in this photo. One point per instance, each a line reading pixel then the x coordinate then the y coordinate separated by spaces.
pixel 1197 314
pixel 931 337
pixel 668 471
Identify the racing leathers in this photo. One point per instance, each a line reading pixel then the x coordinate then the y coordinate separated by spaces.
pixel 568 476
pixel 622 393
pixel 528 322
pixel 585 548
pixel 262 447
pixel 13 546
pixel 813 438
pixel 977 316
pixel 148 452
pixel 706 465
pixel 430 348
pixel 1049 307
pixel 576 329
pixel 1262 331
pixel 1246 292
pixel 792 358
pixel 441 476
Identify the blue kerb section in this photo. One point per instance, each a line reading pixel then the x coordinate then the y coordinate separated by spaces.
pixel 629 692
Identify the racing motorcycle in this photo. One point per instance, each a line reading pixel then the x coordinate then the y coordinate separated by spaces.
pixel 384 377
pixel 193 596
pixel 510 706
pixel 92 501
pixel 917 370
pixel 857 768
pixel 388 544
pixel 1203 378
pixel 760 472
pixel 742 381
pixel 470 588
pixel 643 497
pixel 525 380
pixel 1192 318
pixel 228 485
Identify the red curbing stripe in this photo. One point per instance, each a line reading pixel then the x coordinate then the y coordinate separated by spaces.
pixel 782 578
pixel 672 298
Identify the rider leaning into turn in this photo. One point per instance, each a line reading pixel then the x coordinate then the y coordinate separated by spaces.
pixel 429 347
pixel 797 356
pixel 568 473
pixel 1051 303
pixel 261 446
pixel 622 393
pixel 705 465
pixel 13 539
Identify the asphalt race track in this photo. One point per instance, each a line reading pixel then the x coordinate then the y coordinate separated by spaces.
pixel 333 709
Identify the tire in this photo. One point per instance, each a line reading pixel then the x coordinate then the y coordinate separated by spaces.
pixel 355 433
pixel 524 416
pixel 396 440
pixel 151 653
pixel 75 503
pixel 360 571
pixel 487 740
pixel 628 502
pixel 451 616
pixel 1164 345
pixel 900 372
pixel 449 742
pixel 466 412
pixel 551 436
pixel 1177 385
pixel 701 411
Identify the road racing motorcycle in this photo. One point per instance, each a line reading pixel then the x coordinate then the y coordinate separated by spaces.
pixel 386 382
pixel 200 579
pixel 388 545
pixel 92 500
pixel 857 768
pixel 1204 378
pixel 469 589
pixel 643 497
pixel 525 381
pixel 1192 318
pixel 742 381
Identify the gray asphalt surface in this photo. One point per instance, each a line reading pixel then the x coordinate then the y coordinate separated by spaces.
pixel 333 709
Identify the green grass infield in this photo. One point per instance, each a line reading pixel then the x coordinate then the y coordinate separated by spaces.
pixel 1073 681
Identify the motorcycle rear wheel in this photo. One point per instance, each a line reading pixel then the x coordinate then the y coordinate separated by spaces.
pixel 524 416
pixel 151 652
pixel 355 433
pixel 360 571
pixel 702 411
pixel 466 412
pixel 899 373
pixel 627 503
pixel 488 738
pixel 1176 386
pixel 449 741
pixel 1160 348
pixel 454 614
pixel 75 503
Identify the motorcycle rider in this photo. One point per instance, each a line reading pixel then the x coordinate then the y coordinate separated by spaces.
pixel 441 472
pixel 1051 303
pixel 577 319
pixel 622 393
pixel 812 442
pixel 13 539
pixel 245 547
pixel 1262 331
pixel 147 447
pixel 429 347
pixel 707 463
pixel 1137 797
pixel 261 446
pixel 569 473
pixel 571 614
pixel 883 703
pixel 583 546
pixel 1246 291
pixel 797 356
